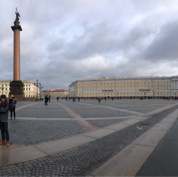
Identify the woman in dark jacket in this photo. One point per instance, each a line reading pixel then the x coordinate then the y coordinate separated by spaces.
pixel 4 107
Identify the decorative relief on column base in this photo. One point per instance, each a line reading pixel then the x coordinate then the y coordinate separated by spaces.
pixel 16 89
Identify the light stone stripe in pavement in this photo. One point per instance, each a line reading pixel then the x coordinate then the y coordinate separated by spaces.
pixel 22 107
pixel 129 161
pixel 82 122
pixel 160 109
pixel 123 110
pixel 95 118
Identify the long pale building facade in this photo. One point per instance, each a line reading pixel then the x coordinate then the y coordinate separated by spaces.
pixel 30 89
pixel 125 87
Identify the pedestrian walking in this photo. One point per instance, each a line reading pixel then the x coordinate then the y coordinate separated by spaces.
pixel 78 99
pixel 12 105
pixel 57 99
pixel 99 100
pixel 105 98
pixel 4 107
pixel 46 100
pixel 66 98
pixel 49 98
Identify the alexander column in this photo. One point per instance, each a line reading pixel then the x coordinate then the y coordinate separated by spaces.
pixel 16 86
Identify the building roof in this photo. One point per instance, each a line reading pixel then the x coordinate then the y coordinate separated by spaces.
pixel 61 90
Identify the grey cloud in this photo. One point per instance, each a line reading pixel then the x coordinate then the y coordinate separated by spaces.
pixel 60 39
pixel 165 44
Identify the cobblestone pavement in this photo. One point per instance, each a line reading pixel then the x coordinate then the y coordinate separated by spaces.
pixel 104 123
pixel 30 132
pixel 83 159
pixel 143 106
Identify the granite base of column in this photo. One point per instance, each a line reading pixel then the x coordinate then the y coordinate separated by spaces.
pixel 16 89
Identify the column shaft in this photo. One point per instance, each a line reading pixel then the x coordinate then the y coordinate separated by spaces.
pixel 16 54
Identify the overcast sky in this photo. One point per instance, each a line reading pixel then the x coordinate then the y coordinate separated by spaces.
pixel 67 40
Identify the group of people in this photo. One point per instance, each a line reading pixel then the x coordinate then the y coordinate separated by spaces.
pixel 6 106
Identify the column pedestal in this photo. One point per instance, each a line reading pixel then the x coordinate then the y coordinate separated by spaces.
pixel 16 89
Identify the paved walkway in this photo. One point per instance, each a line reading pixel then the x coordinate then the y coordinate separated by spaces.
pixel 164 159
pixel 78 138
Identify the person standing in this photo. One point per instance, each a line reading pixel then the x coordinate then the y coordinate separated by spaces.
pixel 49 98
pixel 99 99
pixel 12 105
pixel 46 100
pixel 4 107
pixel 57 99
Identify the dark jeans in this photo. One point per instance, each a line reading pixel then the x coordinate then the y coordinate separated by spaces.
pixel 4 131
pixel 13 110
